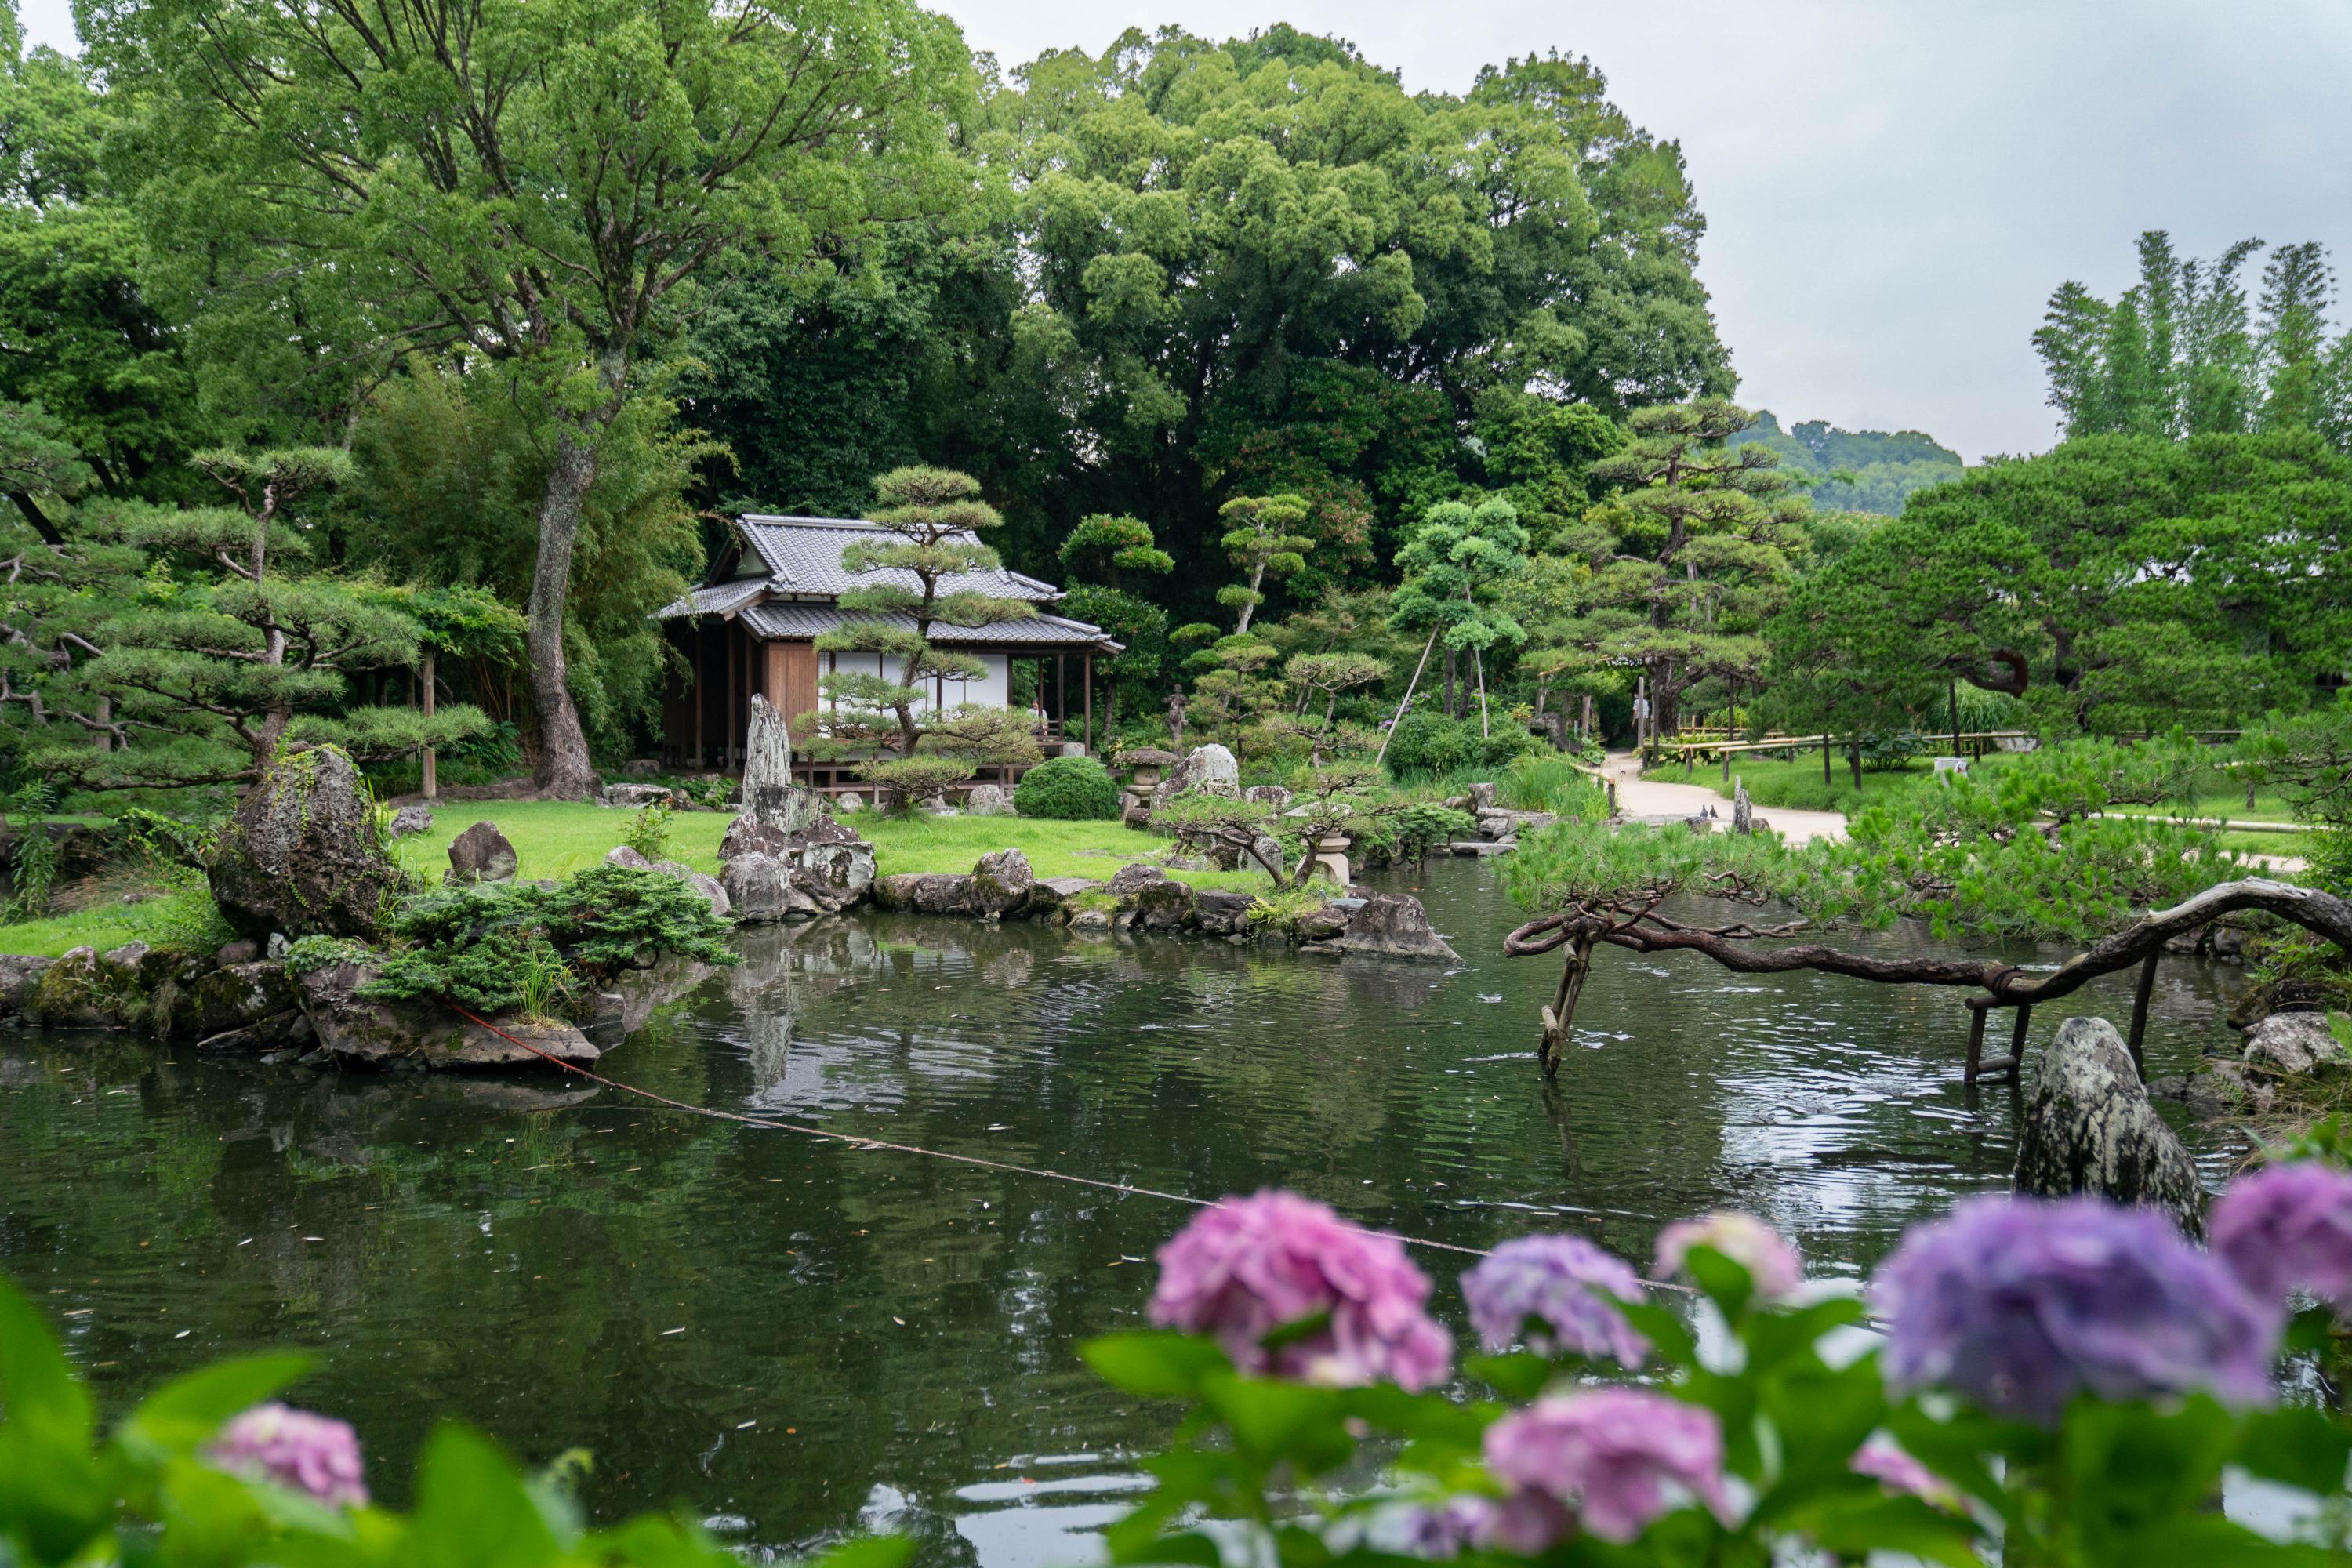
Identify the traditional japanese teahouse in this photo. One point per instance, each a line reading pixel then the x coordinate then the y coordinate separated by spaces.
pixel 754 624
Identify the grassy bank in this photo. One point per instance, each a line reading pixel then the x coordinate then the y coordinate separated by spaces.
pixel 554 839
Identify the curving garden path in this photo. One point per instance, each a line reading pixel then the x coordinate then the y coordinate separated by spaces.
pixel 1638 797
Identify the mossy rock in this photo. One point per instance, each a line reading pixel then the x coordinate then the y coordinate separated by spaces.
pixel 303 854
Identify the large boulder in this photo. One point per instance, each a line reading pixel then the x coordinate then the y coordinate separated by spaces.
pixel 303 854
pixel 1129 878
pixel 711 888
pixel 410 821
pixel 1274 797
pixel 1219 914
pixel 1050 896
pixel 18 975
pixel 925 893
pixel 1206 770
pixel 1164 905
pixel 2292 1043
pixel 365 1032
pixel 770 796
pixel 2090 1127
pixel 760 889
pixel 1002 883
pixel 1394 925
pixel 480 854
pixel 988 800
pixel 634 796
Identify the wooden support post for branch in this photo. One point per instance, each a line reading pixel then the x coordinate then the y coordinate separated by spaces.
pixel 1975 1041
pixel 2140 995
pixel 1406 700
pixel 1825 760
pixel 1560 1018
pixel 432 758
pixel 2017 1040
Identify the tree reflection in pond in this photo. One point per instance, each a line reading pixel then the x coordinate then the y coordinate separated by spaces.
pixel 791 1335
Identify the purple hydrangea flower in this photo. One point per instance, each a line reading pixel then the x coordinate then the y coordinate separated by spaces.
pixel 2288 1227
pixel 1771 1263
pixel 2020 1303
pixel 1443 1530
pixel 1902 1475
pixel 298 1450
pixel 1249 1266
pixel 1609 1456
pixel 1569 1283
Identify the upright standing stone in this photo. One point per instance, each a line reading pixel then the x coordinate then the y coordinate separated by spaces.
pixel 2089 1127
pixel 770 796
pixel 480 854
pixel 1743 814
pixel 302 854
pixel 1206 770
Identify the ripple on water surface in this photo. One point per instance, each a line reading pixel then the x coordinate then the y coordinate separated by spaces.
pixel 793 1336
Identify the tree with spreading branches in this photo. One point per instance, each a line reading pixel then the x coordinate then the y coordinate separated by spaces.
pixel 1262 540
pixel 925 566
pixel 529 189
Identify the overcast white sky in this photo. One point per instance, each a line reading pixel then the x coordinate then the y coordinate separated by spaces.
pixel 1892 189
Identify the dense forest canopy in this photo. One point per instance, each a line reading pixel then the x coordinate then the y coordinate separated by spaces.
pixel 1287 373
pixel 1855 470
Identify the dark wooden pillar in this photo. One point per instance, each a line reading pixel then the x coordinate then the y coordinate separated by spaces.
pixel 1087 678
pixel 1062 693
pixel 727 714
pixel 2140 995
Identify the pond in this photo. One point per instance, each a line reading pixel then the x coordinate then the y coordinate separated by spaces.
pixel 790 1337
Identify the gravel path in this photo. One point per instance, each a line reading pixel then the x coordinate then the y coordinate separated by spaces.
pixel 1638 797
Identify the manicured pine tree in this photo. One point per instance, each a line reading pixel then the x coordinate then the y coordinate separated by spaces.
pixel 1261 543
pixel 1453 565
pixel 927 566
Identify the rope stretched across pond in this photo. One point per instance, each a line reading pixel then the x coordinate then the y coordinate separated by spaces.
pixel 1127 1189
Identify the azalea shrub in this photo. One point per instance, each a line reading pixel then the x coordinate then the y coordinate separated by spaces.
pixel 2054 1383
pixel 213 1471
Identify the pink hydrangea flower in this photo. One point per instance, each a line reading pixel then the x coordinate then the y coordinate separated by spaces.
pixel 2288 1227
pixel 1902 1475
pixel 1771 1263
pixel 1249 1266
pixel 298 1450
pixel 1609 1457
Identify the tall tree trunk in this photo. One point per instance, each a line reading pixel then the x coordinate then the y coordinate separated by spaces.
pixel 563 772
pixel 1452 712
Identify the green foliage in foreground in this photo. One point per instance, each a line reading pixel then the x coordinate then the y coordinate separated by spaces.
pixel 141 1491
pixel 1069 789
pixel 2116 1481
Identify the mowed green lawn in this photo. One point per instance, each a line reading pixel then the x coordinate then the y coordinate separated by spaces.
pixel 559 838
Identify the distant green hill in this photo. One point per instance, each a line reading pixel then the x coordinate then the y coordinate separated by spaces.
pixel 1883 468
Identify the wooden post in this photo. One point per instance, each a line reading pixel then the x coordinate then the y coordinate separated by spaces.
pixel 1086 681
pixel 1952 690
pixel 2140 995
pixel 2017 1040
pixel 701 697
pixel 432 759
pixel 1976 1040
pixel 1062 691
pixel 1825 760
pixel 1560 1015
pixel 727 719
pixel 1406 698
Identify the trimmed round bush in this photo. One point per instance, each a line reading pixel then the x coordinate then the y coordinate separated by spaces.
pixel 1070 789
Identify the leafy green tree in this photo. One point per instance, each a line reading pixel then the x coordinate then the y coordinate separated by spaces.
pixel 1111 548
pixel 526 188
pixel 450 476
pixel 1690 556
pixel 1453 565
pixel 2116 583
pixel 925 559
pixel 1260 543
pixel 1855 470
pixel 1263 267
pixel 84 339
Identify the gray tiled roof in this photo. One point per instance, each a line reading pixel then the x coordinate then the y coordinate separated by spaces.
pixel 795 621
pixel 804 554
pixel 721 600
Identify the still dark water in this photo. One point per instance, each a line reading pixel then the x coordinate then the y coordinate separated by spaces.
pixel 790 1337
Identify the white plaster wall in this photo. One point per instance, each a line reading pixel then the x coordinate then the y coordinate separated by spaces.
pixel 991 689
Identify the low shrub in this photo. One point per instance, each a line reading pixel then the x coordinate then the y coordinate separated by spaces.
pixel 1068 789
pixel 496 947
pixel 1430 743
pixel 648 830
